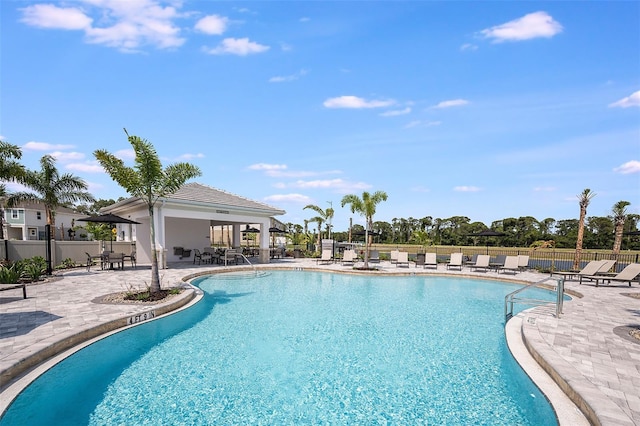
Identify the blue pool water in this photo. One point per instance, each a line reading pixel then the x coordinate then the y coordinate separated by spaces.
pixel 302 348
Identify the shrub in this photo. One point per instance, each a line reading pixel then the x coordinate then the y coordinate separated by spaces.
pixel 11 274
pixel 35 267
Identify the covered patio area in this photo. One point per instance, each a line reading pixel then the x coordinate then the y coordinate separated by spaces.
pixel 184 221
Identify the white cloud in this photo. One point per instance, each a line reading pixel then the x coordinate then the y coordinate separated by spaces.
pixel 468 46
pixel 420 188
pixel 125 25
pixel 339 185
pixel 533 25
pixel 466 189
pixel 212 24
pixel 629 101
pixel 125 154
pixel 88 167
pixel 451 103
pixel 67 156
pixel 395 113
pixel 355 103
pixel 294 198
pixel 265 166
pixel 281 79
pixel 305 19
pixel 187 157
pixel 237 46
pixel 629 167
pixel 545 188
pixel 54 17
pixel 422 123
pixel 43 146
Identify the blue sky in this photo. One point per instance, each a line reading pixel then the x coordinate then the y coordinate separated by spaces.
pixel 481 109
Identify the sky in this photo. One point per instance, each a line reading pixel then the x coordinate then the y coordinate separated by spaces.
pixel 481 109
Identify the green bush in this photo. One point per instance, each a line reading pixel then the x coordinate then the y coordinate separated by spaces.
pixel 11 274
pixel 35 267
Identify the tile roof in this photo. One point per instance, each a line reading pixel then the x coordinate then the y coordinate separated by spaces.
pixel 207 194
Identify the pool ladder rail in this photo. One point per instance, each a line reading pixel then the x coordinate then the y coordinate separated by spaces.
pixel 511 298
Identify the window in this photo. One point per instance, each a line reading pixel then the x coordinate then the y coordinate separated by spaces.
pixel 39 215
pixel 14 214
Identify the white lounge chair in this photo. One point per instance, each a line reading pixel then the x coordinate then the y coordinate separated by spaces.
pixel 403 259
pixel 393 256
pixel 605 267
pixel 482 262
pixel 455 261
pixel 430 260
pixel 326 256
pixel 628 274
pixel 510 264
pixel 349 257
pixel 590 268
pixel 523 261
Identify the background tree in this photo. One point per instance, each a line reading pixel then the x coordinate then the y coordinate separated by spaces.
pixel 584 199
pixel 148 181
pixel 10 170
pixel 51 189
pixel 619 212
pixel 324 216
pixel 366 206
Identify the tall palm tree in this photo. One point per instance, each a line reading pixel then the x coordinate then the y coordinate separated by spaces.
pixel 10 170
pixel 324 216
pixel 619 211
pixel 51 189
pixel 584 199
pixel 366 206
pixel 148 181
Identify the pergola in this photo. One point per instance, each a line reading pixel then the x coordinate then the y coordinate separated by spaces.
pixel 184 219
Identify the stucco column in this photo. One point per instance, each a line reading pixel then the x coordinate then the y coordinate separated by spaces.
pixel 264 254
pixel 236 235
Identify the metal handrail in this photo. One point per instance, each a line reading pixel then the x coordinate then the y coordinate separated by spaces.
pixel 510 299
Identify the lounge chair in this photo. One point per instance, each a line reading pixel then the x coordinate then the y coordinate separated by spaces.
pixel 403 259
pixel 628 274
pixel 498 262
pixel 455 261
pixel 430 260
pixel 393 256
pixel 482 262
pixel 523 261
pixel 510 264
pixel 374 256
pixel 326 256
pixel 590 268
pixel 605 267
pixel 349 257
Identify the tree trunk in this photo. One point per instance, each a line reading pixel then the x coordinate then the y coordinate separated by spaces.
pixel 155 275
pixel 578 253
pixel 617 242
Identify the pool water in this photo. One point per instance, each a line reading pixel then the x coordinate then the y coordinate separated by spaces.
pixel 302 348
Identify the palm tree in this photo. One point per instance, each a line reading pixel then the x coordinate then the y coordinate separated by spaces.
pixel 51 189
pixel 583 200
pixel 366 206
pixel 148 181
pixel 619 216
pixel 324 216
pixel 10 170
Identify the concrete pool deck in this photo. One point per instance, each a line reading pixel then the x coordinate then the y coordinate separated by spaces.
pixel 585 351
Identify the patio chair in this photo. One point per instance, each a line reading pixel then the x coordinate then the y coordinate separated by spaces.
pixel 349 257
pixel 523 261
pixel 201 256
pixel 510 264
pixel 393 256
pixel 326 256
pixel 590 268
pixel 131 257
pixel 403 259
pixel 430 260
pixel 231 255
pixel 628 274
pixel 374 256
pixel 605 267
pixel 114 260
pixel 455 261
pixel 91 260
pixel 482 262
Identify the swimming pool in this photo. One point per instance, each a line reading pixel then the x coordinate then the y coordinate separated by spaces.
pixel 302 348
